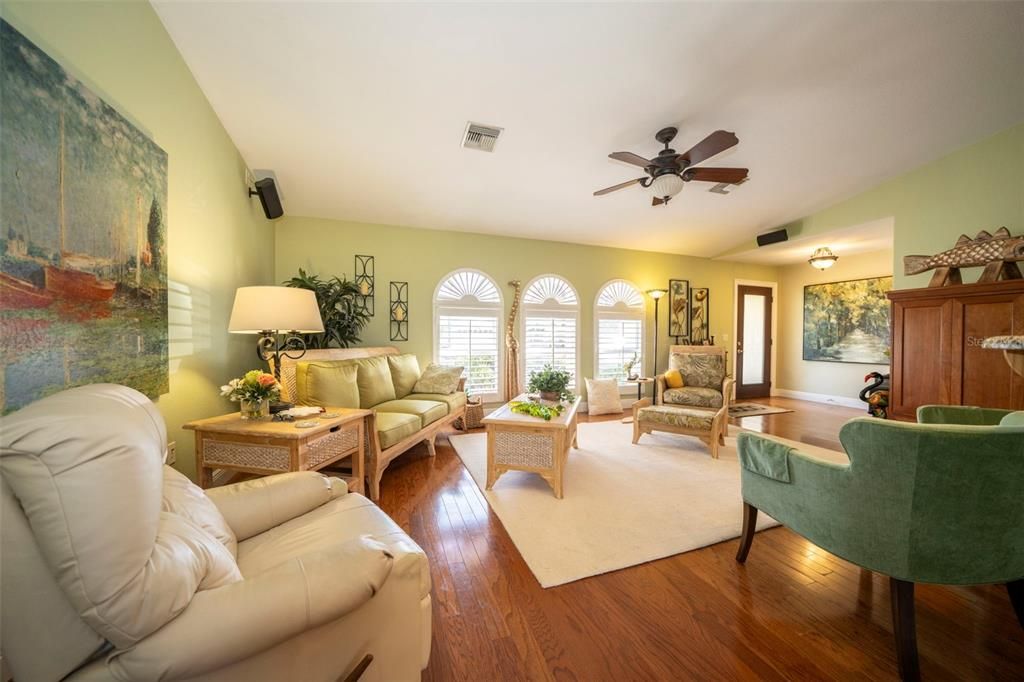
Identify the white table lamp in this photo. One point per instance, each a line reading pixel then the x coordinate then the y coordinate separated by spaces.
pixel 272 312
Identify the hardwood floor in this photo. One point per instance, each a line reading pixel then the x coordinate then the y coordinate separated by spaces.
pixel 793 612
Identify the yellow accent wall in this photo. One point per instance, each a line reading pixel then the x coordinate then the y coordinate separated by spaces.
pixel 424 257
pixel 823 378
pixel 217 236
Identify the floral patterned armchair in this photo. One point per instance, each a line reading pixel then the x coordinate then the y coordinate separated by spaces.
pixel 704 377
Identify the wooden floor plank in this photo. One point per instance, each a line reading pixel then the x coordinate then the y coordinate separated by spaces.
pixel 792 612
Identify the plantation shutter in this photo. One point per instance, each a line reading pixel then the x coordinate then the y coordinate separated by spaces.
pixel 617 341
pixel 471 340
pixel 550 340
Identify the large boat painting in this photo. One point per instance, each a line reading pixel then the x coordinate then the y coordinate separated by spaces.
pixel 83 265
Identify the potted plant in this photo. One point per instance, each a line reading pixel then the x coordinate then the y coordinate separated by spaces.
pixel 340 307
pixel 628 367
pixel 551 383
pixel 253 391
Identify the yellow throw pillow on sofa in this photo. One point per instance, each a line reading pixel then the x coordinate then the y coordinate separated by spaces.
pixel 674 379
pixel 327 383
pixel 405 372
pixel 374 381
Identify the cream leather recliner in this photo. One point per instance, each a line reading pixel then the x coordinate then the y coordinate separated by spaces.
pixel 115 566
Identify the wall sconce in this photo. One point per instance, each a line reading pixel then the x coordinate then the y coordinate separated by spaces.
pixel 364 278
pixel 399 311
pixel 823 258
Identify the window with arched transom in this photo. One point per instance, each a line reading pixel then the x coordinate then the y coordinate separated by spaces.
pixel 618 330
pixel 551 315
pixel 467 325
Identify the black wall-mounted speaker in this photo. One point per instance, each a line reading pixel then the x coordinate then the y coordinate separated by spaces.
pixel 772 237
pixel 266 189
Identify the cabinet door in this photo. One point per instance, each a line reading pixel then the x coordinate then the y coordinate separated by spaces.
pixel 980 376
pixel 921 355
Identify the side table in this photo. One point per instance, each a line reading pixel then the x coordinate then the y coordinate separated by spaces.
pixel 265 446
pixel 640 383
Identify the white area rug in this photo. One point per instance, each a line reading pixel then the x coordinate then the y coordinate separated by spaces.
pixel 624 504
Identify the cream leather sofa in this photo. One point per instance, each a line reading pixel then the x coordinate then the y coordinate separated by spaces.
pixel 116 567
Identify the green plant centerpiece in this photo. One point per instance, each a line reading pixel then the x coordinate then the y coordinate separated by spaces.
pixel 340 307
pixel 551 383
pixel 545 412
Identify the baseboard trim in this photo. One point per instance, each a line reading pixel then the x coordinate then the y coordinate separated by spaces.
pixel 844 401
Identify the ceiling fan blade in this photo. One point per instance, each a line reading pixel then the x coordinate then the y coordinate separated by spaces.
pixel 657 202
pixel 621 185
pixel 715 143
pixel 630 157
pixel 730 175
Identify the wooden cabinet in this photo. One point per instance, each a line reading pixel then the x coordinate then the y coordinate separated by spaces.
pixel 937 356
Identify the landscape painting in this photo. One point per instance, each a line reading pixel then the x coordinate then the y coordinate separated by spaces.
pixel 83 235
pixel 847 321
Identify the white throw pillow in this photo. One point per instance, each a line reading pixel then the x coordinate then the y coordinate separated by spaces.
pixel 184 498
pixel 603 396
pixel 438 379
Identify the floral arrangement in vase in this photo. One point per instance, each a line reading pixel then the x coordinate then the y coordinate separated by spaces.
pixel 628 367
pixel 253 391
pixel 551 383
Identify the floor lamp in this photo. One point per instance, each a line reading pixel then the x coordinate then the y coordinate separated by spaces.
pixel 656 294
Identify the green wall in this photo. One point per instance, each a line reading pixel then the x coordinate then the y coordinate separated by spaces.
pixel 218 238
pixel 979 187
pixel 424 257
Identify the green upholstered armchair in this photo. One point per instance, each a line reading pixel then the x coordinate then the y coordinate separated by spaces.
pixel 940 501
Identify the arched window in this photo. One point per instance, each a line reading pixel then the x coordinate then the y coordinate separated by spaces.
pixel 618 329
pixel 551 312
pixel 467 324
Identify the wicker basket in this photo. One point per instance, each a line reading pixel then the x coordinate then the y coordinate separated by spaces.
pixel 474 417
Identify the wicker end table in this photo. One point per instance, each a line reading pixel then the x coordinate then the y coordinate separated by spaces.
pixel 270 447
pixel 520 442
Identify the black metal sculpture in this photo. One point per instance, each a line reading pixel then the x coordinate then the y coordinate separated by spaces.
pixel 876 395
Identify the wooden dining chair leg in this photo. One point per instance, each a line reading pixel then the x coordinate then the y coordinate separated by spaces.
pixel 904 628
pixel 1016 592
pixel 747 536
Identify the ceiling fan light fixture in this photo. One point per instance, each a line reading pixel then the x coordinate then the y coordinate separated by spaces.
pixel 666 186
pixel 823 258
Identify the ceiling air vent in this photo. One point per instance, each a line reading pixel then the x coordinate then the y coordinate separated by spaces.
pixel 480 137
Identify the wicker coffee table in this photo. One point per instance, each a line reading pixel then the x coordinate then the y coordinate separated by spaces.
pixel 519 442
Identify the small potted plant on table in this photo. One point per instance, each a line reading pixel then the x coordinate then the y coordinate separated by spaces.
pixel 551 383
pixel 628 367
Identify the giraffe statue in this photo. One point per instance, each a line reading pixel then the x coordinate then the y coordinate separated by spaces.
pixel 512 346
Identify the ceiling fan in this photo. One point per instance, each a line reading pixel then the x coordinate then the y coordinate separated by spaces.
pixel 668 171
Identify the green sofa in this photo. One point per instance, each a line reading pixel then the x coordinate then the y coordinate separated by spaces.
pixel 940 501
pixel 381 380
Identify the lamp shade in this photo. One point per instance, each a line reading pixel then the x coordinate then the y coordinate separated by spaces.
pixel 666 185
pixel 260 309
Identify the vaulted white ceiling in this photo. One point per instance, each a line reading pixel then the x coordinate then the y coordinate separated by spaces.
pixel 359 109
